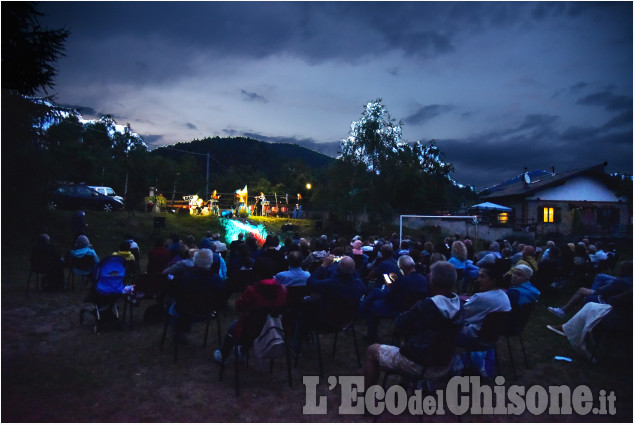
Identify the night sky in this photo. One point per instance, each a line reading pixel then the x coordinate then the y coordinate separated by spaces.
pixel 500 86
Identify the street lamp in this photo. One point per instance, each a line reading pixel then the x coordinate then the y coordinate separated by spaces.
pixel 308 186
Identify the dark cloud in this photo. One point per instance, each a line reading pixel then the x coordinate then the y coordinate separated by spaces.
pixel 252 97
pixel 160 41
pixel 608 101
pixel 426 113
pixel 190 126
pixel 487 159
pixel 625 119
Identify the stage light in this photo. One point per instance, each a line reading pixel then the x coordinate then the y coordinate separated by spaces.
pixel 234 227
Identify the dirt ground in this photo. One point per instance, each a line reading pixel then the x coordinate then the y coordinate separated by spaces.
pixel 54 370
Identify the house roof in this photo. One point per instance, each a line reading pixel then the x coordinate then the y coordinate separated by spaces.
pixel 517 187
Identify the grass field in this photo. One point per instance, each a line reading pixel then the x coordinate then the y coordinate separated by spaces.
pixel 54 370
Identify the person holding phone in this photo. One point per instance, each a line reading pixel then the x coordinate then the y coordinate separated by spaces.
pixel 400 291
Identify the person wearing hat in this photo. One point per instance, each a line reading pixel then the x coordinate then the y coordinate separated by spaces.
pixel 82 248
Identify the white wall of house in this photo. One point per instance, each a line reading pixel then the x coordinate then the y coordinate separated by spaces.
pixel 578 189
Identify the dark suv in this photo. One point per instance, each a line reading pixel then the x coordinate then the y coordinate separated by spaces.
pixel 73 196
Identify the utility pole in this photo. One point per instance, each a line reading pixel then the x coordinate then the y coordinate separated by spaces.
pixel 207 181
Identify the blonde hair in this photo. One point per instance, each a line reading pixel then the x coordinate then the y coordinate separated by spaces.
pixel 459 250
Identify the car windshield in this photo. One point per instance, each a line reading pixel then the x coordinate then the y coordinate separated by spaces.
pixel 110 192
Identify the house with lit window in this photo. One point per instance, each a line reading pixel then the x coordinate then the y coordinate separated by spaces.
pixel 577 202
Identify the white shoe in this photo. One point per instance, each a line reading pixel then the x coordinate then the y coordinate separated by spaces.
pixel 557 311
pixel 552 329
pixel 218 356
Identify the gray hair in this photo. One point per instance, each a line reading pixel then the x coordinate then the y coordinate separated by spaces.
pixel 204 258
pixel 525 269
pixel 443 275
pixel 406 262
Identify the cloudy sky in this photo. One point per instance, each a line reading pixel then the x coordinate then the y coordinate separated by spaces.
pixel 501 86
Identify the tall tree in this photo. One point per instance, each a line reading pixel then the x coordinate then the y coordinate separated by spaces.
pixel 374 139
pixel 29 52
pixel 385 174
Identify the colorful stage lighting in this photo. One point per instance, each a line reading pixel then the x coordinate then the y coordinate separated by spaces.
pixel 234 227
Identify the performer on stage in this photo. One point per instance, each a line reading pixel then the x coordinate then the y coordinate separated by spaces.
pixel 213 204
pixel 241 196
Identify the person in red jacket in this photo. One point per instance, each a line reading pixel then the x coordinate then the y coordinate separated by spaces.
pixel 266 293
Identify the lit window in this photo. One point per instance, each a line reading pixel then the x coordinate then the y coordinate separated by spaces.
pixel 548 215
pixel 503 218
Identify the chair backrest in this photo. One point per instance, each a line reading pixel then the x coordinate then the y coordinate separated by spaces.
pixel 341 313
pixel 296 294
pixel 85 264
pixel 131 267
pixel 494 325
pixel 111 272
pixel 151 284
pixel 240 279
pixel 198 302
pixel 519 318
pixel 40 262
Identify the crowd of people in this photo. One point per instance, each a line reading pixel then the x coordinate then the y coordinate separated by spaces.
pixel 435 295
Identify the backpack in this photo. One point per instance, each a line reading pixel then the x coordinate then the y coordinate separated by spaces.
pixel 270 342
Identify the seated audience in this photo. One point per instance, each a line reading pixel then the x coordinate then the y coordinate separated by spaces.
pixel 395 297
pixel 197 278
pixel 45 259
pixel 429 331
pixel 124 251
pixel 615 313
pixel 603 287
pixel 265 293
pixel 81 249
pixel 521 290
pixel 295 276
pixel 385 264
pixel 158 257
pixel 489 299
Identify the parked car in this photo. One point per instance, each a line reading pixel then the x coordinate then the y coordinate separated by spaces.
pixel 73 196
pixel 108 191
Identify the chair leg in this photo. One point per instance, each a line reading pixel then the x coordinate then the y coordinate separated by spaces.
pixel 206 333
pixel 522 345
pixel 218 329
pixel 288 357
pixel 359 362
pixel 498 368
pixel 511 357
pixel 468 360
pixel 125 309
pixel 165 329
pixel 177 336
pixel 319 350
pixel 28 282
pixel 236 380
